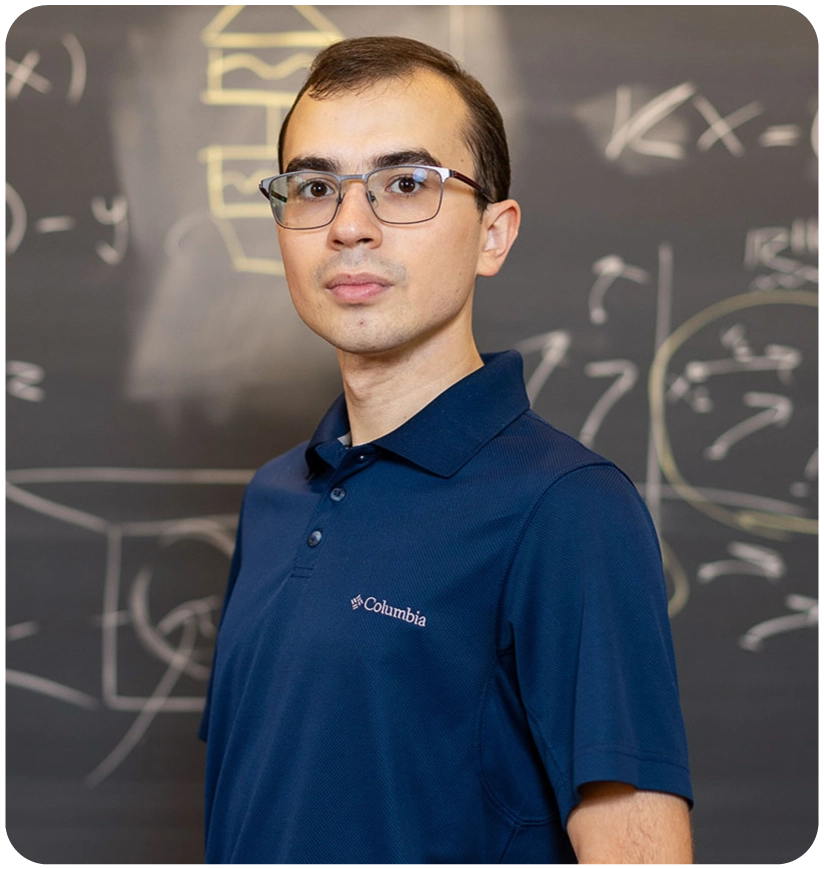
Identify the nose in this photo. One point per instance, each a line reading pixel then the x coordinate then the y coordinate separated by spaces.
pixel 355 223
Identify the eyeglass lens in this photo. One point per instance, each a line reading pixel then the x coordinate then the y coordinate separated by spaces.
pixel 399 194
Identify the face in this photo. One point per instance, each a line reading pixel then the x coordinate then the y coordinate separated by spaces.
pixel 367 287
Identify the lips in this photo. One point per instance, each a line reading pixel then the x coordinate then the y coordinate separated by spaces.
pixel 357 287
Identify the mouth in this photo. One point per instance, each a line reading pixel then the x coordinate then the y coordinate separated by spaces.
pixel 357 287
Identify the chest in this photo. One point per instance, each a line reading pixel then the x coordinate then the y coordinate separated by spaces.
pixel 373 570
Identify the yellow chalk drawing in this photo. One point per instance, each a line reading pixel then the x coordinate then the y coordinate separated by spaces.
pixel 677 576
pixel 233 171
pixel 269 72
pixel 219 179
pixel 772 525
pixel 323 33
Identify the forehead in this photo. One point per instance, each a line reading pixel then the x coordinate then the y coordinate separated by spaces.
pixel 423 112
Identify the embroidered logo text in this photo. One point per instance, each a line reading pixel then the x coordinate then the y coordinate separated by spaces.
pixel 373 605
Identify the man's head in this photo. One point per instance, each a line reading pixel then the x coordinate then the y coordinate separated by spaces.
pixel 368 283
pixel 354 65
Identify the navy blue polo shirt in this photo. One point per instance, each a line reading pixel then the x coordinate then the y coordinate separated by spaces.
pixel 429 643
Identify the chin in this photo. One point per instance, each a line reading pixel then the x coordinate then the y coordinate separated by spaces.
pixel 362 340
pixel 367 348
pixel 368 345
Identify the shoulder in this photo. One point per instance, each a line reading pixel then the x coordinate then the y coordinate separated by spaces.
pixel 592 508
pixel 282 468
pixel 535 449
pixel 587 524
pixel 281 475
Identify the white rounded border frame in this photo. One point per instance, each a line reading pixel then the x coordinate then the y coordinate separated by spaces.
pixel 9 8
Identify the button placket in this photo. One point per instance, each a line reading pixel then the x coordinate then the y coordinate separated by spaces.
pixel 323 515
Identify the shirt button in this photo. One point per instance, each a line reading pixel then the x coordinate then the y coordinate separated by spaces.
pixel 338 494
pixel 314 538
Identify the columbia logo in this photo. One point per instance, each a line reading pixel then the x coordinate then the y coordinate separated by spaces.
pixel 373 605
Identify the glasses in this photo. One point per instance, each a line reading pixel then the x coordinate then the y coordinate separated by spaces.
pixel 398 194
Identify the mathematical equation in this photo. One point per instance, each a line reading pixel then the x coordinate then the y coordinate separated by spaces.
pixel 780 251
pixel 24 78
pixel 784 256
pixel 24 380
pixel 643 131
pixel 65 80
pixel 112 214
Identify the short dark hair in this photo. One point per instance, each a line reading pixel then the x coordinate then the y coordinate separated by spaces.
pixel 356 64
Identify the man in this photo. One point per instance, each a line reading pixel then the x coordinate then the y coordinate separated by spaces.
pixel 445 636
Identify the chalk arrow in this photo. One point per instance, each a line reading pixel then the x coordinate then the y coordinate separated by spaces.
pixel 776 358
pixel 748 559
pixel 553 347
pixel 778 411
pixel 608 269
pixel 806 609
pixel 783 360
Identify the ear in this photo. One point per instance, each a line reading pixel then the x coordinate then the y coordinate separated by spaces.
pixel 501 221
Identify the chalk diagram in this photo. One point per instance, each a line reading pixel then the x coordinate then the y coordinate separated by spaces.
pixel 723 388
pixel 176 643
pixel 689 379
pixel 250 67
pixel 692 386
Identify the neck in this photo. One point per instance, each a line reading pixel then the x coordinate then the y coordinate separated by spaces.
pixel 383 392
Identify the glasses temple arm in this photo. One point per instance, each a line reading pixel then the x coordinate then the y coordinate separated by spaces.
pixel 474 184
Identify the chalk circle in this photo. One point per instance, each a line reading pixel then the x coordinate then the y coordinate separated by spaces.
pixel 679 593
pixel 772 525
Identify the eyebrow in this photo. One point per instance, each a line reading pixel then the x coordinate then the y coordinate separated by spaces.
pixel 414 156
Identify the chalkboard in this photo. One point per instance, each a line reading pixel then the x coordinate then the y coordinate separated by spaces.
pixel 663 293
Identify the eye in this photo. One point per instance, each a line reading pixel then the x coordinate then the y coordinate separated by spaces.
pixel 404 185
pixel 313 188
pixel 317 189
pixel 409 183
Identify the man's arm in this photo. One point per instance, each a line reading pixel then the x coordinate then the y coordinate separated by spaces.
pixel 615 823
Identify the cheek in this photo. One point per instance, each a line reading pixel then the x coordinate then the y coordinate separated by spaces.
pixel 454 252
pixel 466 242
pixel 460 261
pixel 298 268
pixel 298 284
pixel 297 250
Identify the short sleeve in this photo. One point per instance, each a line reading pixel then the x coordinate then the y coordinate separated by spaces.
pixel 585 610
pixel 234 570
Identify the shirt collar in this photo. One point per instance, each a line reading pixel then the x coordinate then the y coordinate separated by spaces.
pixel 444 435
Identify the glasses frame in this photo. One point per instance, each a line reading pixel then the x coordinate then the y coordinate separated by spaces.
pixel 444 174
